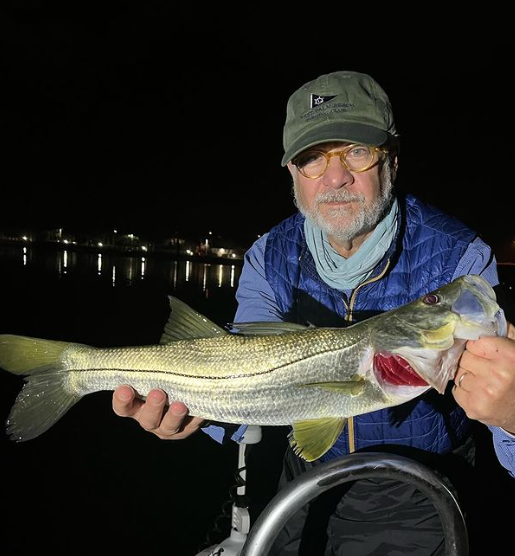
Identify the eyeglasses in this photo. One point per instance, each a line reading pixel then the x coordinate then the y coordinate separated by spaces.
pixel 356 158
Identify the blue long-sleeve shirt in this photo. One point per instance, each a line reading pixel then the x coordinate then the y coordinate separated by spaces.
pixel 256 302
pixel 504 444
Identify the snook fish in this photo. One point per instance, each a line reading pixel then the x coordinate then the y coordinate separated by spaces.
pixel 266 373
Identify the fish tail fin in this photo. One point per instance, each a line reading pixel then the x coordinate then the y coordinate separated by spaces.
pixel 42 402
pixel 45 397
pixel 21 355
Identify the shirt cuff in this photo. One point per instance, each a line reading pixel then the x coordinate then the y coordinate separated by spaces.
pixel 222 433
pixel 507 434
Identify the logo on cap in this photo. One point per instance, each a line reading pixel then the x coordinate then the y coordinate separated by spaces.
pixel 317 100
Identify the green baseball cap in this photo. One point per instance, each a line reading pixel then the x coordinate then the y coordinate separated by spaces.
pixel 340 106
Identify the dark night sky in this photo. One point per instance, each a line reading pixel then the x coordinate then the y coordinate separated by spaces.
pixel 100 103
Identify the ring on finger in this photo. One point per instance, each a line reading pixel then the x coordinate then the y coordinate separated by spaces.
pixel 461 378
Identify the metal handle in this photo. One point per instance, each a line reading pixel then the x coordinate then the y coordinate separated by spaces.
pixel 322 477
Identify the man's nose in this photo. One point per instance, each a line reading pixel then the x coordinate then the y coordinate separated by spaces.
pixel 336 175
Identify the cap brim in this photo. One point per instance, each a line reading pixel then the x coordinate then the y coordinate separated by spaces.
pixel 348 132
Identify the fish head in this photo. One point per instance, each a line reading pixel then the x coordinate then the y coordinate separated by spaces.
pixel 422 341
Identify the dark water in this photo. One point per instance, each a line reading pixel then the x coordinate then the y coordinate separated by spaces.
pixel 95 482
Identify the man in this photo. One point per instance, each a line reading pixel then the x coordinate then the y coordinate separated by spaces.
pixel 354 250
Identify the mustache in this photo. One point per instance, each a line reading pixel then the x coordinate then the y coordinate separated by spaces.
pixel 339 197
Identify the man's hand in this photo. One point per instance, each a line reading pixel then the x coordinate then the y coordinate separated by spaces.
pixel 168 423
pixel 485 381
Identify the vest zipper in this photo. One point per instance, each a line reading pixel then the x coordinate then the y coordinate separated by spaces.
pixel 350 307
pixel 350 430
pixel 348 317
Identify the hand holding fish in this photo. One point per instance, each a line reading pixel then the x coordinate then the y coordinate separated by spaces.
pixel 166 422
pixel 485 381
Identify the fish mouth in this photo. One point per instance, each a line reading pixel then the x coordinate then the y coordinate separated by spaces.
pixel 479 314
pixel 423 362
pixel 482 325
pixel 501 323
pixel 395 370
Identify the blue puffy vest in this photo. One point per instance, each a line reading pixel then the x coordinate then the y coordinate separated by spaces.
pixel 428 247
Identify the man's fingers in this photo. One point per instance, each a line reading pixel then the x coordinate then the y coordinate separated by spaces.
pixel 489 347
pixel 191 426
pixel 151 412
pixel 464 380
pixel 173 423
pixel 173 419
pixel 124 398
pixel 177 424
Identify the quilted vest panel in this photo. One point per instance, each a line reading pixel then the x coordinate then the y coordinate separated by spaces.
pixel 424 256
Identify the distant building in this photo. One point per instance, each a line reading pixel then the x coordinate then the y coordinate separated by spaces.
pixel 218 246
pixel 209 245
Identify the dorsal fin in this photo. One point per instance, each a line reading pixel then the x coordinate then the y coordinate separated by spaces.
pixel 185 323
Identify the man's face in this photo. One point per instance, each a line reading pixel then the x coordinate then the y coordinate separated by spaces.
pixel 344 204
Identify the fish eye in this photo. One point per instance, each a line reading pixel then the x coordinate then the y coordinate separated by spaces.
pixel 431 299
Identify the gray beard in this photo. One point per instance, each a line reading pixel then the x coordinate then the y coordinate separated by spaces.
pixel 363 222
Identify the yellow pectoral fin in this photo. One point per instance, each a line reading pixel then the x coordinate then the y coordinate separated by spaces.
pixel 349 387
pixel 311 439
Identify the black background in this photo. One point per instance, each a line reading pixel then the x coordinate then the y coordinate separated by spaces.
pixel 154 118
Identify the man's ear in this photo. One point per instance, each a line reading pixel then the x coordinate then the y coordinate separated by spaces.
pixel 292 168
pixel 395 166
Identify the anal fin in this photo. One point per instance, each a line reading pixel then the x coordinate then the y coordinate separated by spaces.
pixel 311 439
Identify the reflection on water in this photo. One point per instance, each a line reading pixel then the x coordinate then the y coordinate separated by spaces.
pixel 122 270
pixel 205 276
pixel 173 275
